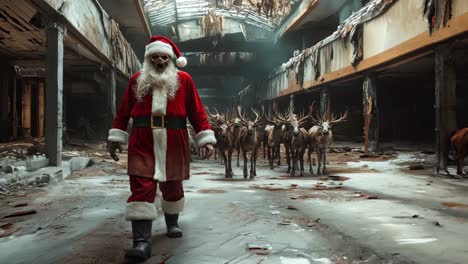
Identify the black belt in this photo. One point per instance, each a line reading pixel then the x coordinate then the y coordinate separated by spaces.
pixel 160 121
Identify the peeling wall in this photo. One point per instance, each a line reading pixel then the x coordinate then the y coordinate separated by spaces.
pixel 395 27
pixel 459 7
pixel 102 31
pixel 335 56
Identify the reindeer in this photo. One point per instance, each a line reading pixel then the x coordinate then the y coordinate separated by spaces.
pixel 286 135
pixel 216 120
pixel 235 129
pixel 321 137
pixel 272 139
pixel 459 142
pixel 299 140
pixel 225 142
pixel 249 141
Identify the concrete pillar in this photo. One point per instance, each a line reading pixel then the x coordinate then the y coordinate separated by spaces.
pixel 371 113
pixel 291 103
pixel 324 101
pixel 445 103
pixel 26 109
pixel 54 93
pixel 111 97
pixel 41 109
pixel 4 120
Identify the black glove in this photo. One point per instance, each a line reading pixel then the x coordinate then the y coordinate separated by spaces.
pixel 114 146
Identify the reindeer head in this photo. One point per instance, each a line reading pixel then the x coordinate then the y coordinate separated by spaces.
pixel 294 122
pixel 326 122
pixel 250 125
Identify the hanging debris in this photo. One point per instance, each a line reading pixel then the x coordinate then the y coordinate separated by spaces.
pixel 437 13
pixel 212 24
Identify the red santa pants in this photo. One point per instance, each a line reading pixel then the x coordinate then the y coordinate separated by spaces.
pixel 140 204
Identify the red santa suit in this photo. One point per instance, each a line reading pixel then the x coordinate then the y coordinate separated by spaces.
pixel 159 155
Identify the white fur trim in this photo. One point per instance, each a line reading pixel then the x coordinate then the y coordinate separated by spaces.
pixel 117 135
pixel 181 62
pixel 205 137
pixel 159 103
pixel 160 150
pixel 159 46
pixel 141 211
pixel 172 207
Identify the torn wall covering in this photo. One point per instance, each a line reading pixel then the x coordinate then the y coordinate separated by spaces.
pixel 88 18
pixel 437 13
pixel 348 31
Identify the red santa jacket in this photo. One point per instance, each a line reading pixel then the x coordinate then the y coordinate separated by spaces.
pixel 162 154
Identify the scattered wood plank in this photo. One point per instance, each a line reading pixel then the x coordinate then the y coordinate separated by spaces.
pixel 22 213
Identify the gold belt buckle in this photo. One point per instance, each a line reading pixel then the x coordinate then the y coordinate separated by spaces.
pixel 162 121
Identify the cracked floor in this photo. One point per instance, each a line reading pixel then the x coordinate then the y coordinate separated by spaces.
pixel 364 212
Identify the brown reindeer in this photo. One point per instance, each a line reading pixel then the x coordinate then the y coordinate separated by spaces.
pixel 249 141
pixel 459 142
pixel 272 140
pixel 321 137
pixel 236 128
pixel 299 140
pixel 225 143
pixel 215 120
pixel 286 135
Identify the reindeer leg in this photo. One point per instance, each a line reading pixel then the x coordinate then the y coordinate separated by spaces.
pixel 309 154
pixel 238 155
pixel 251 165
pixel 226 168
pixel 325 172
pixel 302 162
pixel 319 160
pixel 288 158
pixel 278 154
pixel 270 157
pixel 255 166
pixel 229 163
pixel 244 153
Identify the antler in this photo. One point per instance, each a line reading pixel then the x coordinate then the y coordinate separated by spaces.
pixel 239 114
pixel 342 118
pixel 257 116
pixel 303 117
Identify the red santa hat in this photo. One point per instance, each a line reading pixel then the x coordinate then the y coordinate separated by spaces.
pixel 161 44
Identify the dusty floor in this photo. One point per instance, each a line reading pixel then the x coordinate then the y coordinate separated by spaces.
pixel 368 210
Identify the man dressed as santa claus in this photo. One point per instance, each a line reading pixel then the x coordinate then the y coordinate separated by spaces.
pixel 158 98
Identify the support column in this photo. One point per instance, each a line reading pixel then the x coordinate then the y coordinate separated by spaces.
pixel 41 110
pixel 4 109
pixel 291 103
pixel 371 114
pixel 54 94
pixel 324 101
pixel 26 109
pixel 445 104
pixel 111 96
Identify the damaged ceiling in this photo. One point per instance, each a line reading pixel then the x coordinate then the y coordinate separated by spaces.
pixel 267 14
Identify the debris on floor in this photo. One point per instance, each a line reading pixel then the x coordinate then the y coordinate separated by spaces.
pixel 22 213
pixel 211 191
pixel 455 205
pixel 260 248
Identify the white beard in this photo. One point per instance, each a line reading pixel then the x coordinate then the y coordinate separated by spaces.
pixel 150 79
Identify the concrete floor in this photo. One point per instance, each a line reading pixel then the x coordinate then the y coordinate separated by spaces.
pixel 416 218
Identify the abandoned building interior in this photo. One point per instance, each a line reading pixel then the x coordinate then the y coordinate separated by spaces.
pixel 388 78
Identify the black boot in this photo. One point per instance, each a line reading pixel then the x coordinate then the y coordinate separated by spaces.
pixel 141 240
pixel 173 229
